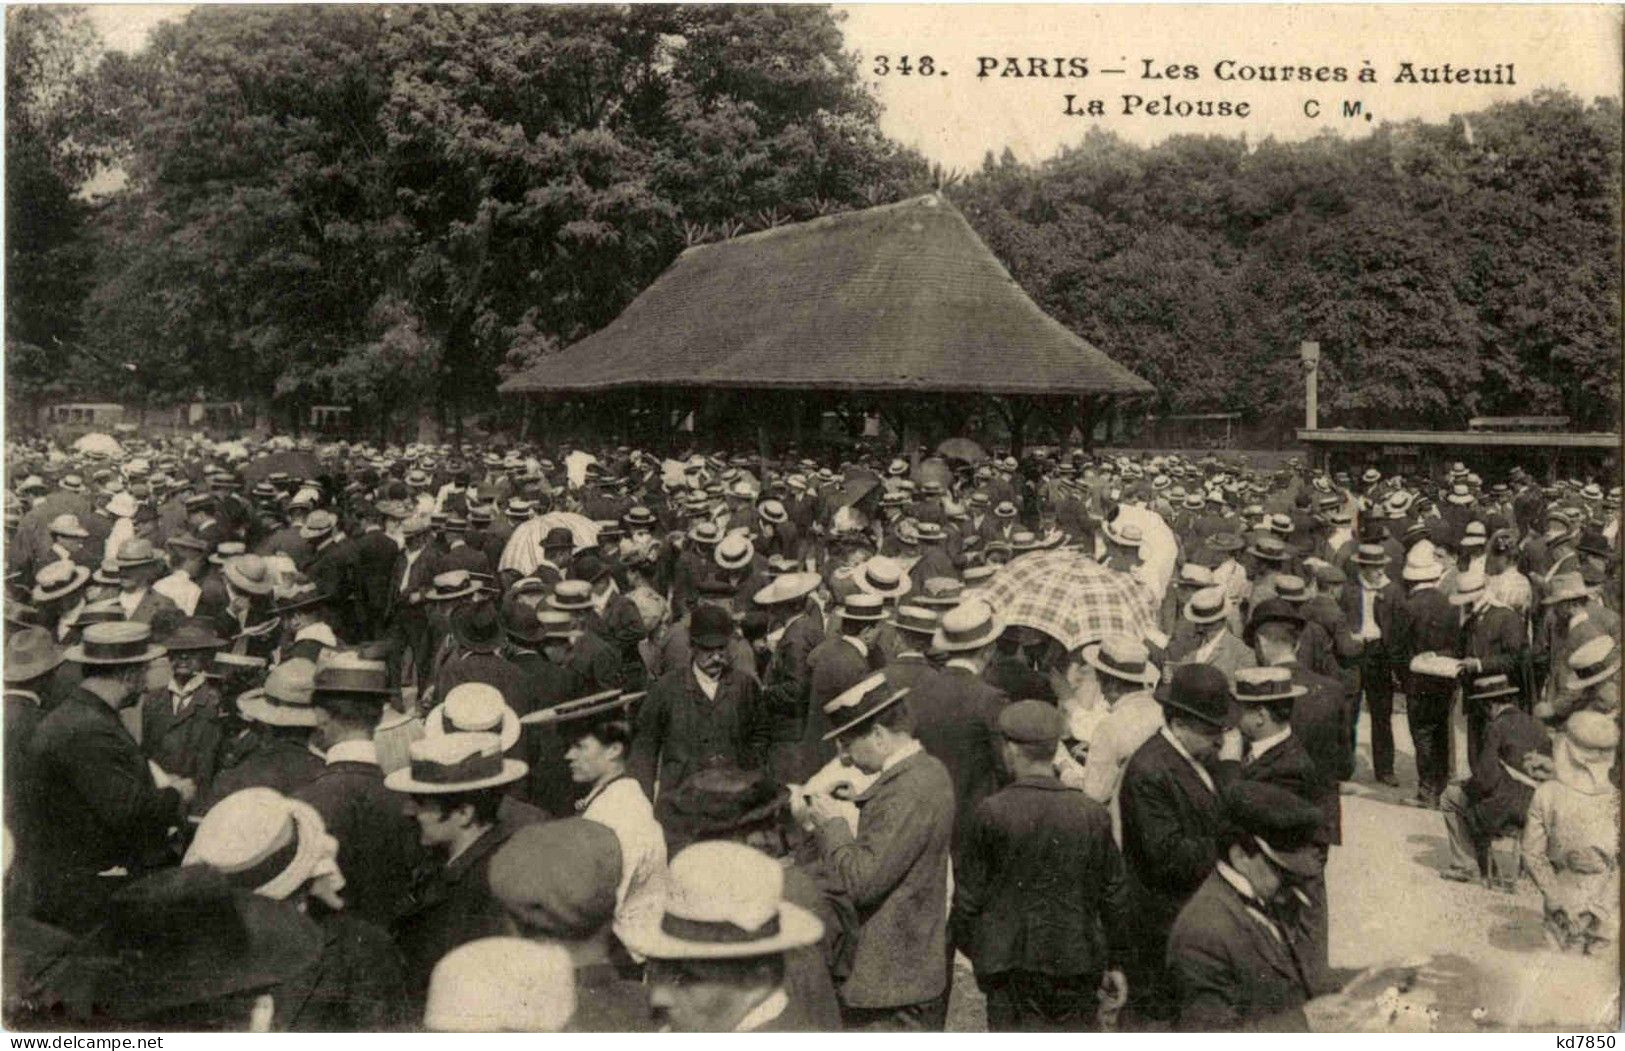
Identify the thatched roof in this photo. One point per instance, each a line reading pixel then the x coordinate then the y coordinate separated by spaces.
pixel 904 297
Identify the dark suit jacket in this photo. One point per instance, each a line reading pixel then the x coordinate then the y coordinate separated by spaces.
pixel 373 557
pixel 1389 599
pixel 449 904
pixel 1040 885
pixel 333 569
pixel 184 744
pixel 98 805
pixel 1496 637
pixel 1229 972
pixel 1287 765
pixel 596 663
pixel 1016 679
pixel 895 870
pixel 680 729
pixel 1427 622
pixel 1170 822
pixel 956 718
pixel 1320 721
pixel 1499 801
pixel 464 556
pixel 378 843
pixel 269 759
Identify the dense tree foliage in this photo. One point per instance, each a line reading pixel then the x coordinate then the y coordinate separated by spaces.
pixel 394 206
pixel 1447 270
pixel 391 206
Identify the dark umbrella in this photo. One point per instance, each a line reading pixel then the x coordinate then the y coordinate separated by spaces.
pixel 293 463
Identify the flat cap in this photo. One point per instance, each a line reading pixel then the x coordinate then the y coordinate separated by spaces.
pixel 559 877
pixel 1031 722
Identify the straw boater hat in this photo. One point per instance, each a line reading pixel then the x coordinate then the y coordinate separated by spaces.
pixel 347 674
pixel 1470 587
pixel 474 707
pixel 1474 535
pixel 1593 662
pixel 1371 555
pixel 67 525
pixel 1421 566
pixel 916 620
pixel 1487 686
pixel 1121 657
pixel 248 574
pixel 296 596
pixel 968 626
pixel 945 592
pixel 285 699
pixel 265 842
pixel 57 580
pixel 705 532
pixel 136 553
pixel 788 587
pixel 884 577
pixel 115 644
pixel 1004 509
pixel 724 901
pixel 1207 606
pixel 1269 548
pixel 860 703
pixel 592 706
pixel 772 511
pixel 735 551
pixel 1291 588
pixel 863 606
pixel 1126 534
pixel 1566 587
pixel 454 763
pixel 226 550
pixel 1264 685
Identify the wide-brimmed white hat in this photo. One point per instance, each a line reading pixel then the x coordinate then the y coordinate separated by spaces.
pixel 968 626
pixel 1421 565
pixel 453 763
pixel 285 699
pixel 474 707
pixel 724 901
pixel 263 841
pixel 1121 657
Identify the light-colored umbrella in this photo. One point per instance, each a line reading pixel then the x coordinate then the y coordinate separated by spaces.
pixel 1070 597
pixel 524 550
pixel 962 449
pixel 98 444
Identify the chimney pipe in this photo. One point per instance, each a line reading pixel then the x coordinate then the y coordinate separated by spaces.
pixel 1309 354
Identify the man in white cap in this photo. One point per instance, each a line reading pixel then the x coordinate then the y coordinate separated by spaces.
pixel 895 868
pixel 717 954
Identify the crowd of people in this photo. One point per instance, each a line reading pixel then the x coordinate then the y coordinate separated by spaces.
pixel 591 739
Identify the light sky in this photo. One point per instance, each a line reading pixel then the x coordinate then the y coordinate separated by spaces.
pixel 955 118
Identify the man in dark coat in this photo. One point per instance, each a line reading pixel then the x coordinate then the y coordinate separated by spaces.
pixel 705 714
pixel 593 659
pixel 1011 673
pixel 1041 900
pixel 795 630
pixel 378 843
pixel 460 554
pixel 332 568
pixel 277 751
pixel 1495 800
pixel 1491 641
pixel 372 559
pixel 1427 623
pixel 1170 815
pixel 1233 953
pixel 1369 605
pixel 453 789
pixel 476 656
pixel 956 712
pixel 99 807
pixel 406 615
pixel 895 868
pixel 537 645
pixel 180 723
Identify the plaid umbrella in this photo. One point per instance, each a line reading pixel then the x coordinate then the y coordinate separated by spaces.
pixel 1069 596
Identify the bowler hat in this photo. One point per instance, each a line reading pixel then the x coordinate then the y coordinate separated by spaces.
pixel 346 673
pixel 1200 691
pixel 478 626
pixel 710 626
pixel 1272 611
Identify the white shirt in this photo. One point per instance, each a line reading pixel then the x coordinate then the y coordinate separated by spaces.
pixel 708 685
pixel 358 751
pixel 766 1011
pixel 913 747
pixel 1264 744
pixel 965 663
pixel 1369 631
pixel 406 574
pixel 1201 771
pixel 179 589
pixel 181 695
pixel 129 600
pixel 622 807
